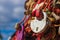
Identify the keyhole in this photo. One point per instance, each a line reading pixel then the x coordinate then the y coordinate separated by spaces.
pixel 37 29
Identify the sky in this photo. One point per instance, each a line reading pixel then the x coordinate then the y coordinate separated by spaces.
pixel 11 12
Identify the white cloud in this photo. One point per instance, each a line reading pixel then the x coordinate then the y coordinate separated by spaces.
pixel 3 1
pixel 18 9
pixel 15 1
pixel 17 12
pixel 3 9
pixel 4 18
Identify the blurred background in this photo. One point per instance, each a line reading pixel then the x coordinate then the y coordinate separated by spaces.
pixel 11 12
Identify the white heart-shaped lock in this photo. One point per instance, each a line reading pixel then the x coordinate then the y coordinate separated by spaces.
pixel 37 26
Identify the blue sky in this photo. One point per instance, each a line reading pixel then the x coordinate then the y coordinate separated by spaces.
pixel 11 12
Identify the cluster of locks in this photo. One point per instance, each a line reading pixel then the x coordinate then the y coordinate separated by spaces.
pixel 41 20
